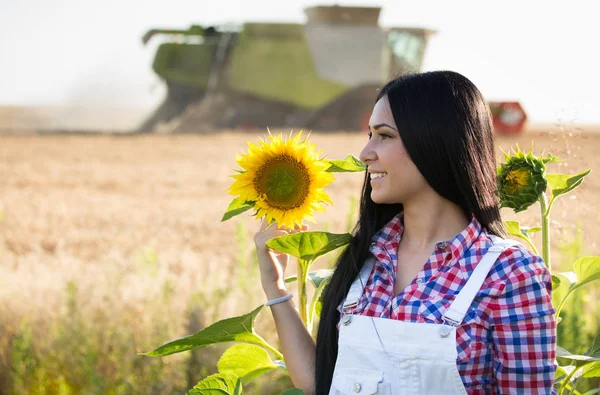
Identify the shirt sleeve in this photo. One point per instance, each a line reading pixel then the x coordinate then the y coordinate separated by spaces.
pixel 524 327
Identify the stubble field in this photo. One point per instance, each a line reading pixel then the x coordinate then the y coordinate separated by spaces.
pixel 125 233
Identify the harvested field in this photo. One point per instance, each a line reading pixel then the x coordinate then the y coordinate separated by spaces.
pixel 96 209
pixel 71 203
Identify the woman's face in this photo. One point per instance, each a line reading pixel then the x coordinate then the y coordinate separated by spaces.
pixel 393 176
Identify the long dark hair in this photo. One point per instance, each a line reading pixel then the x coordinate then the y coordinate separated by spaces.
pixel 445 125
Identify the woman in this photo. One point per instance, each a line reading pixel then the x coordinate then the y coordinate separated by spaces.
pixel 398 316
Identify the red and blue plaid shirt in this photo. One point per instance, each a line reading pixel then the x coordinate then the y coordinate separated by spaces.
pixel 507 341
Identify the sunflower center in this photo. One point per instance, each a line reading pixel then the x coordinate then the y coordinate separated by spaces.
pixel 284 181
pixel 517 179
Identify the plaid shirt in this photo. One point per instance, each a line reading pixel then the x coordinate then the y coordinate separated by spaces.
pixel 507 341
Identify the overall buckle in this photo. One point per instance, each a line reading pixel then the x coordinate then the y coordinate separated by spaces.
pixel 447 326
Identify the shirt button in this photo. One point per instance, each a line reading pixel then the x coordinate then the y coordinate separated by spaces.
pixel 443 245
pixel 346 319
pixel 419 281
pixel 357 387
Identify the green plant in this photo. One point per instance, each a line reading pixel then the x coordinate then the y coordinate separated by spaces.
pixel 244 362
pixel 522 181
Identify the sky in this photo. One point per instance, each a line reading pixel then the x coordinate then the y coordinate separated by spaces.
pixel 89 53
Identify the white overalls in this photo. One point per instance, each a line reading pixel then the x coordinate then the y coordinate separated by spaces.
pixel 404 357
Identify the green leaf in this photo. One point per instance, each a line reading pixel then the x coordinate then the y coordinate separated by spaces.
pixel 319 306
pixel 235 329
pixel 319 276
pixel 514 228
pixel 238 388
pixel 587 270
pixel 567 279
pixel 236 207
pixel 551 159
pixel 579 359
pixel 591 370
pixel 308 246
pixel 217 384
pixel 349 164
pixel 293 391
pixel 320 279
pixel 555 282
pixel 561 184
pixel 560 374
pixel 245 361
pixel 290 279
pixel 595 348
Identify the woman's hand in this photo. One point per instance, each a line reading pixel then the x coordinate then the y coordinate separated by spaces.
pixel 272 263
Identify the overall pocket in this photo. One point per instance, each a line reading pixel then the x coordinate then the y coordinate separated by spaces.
pixel 359 381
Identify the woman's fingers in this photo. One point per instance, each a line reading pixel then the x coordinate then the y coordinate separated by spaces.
pixel 263 224
pixel 274 228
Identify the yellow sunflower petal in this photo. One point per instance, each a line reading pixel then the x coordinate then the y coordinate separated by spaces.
pixel 285 177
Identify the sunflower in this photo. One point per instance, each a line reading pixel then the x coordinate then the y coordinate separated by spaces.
pixel 284 179
pixel 522 179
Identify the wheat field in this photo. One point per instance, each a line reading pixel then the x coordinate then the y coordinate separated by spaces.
pixel 133 223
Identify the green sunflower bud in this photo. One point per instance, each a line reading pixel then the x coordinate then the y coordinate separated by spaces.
pixel 522 179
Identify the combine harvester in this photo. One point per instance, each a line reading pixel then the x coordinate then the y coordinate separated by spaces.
pixel 321 76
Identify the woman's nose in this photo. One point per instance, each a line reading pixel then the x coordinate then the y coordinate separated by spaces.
pixel 367 154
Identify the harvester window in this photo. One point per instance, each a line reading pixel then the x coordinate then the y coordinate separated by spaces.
pixel 407 47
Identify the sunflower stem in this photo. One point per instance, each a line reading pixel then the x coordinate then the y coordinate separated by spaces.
pixel 545 230
pixel 302 294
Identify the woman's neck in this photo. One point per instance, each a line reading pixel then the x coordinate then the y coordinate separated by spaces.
pixel 430 220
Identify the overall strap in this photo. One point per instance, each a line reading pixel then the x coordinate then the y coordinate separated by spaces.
pixel 455 314
pixel 358 286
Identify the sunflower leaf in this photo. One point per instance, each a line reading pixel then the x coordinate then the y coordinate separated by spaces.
pixel 514 228
pixel 234 329
pixel 245 361
pixel 555 282
pixel 575 358
pixel 236 207
pixel 293 391
pixel 561 184
pixel 551 159
pixel 319 276
pixel 238 388
pixel 595 348
pixel 308 246
pixel 587 270
pixel 560 289
pixel 317 301
pixel 217 384
pixel 349 164
pixel 560 374
pixel 591 370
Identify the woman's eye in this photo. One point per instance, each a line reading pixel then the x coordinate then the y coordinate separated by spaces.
pixel 382 136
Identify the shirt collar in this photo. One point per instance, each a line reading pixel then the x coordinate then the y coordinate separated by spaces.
pixel 457 246
pixel 462 242
pixel 394 228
